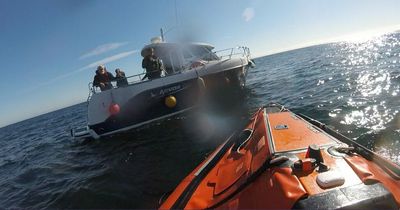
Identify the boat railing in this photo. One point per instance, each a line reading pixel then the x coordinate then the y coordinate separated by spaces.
pixel 137 78
pixel 132 80
pixel 229 53
pixel 240 51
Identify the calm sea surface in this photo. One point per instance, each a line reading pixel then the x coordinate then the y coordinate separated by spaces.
pixel 355 87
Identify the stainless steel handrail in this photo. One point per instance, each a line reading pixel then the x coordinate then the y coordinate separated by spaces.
pixel 135 79
pixel 242 51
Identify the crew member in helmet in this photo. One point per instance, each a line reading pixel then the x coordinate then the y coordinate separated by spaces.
pixel 103 78
pixel 152 64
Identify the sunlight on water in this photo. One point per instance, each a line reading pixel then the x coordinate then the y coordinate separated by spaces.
pixel 387 153
pixel 364 36
pixel 373 84
pixel 370 67
pixel 372 117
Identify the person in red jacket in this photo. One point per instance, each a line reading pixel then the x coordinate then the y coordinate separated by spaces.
pixel 103 78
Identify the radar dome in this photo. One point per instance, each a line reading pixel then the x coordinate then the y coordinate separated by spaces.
pixel 156 40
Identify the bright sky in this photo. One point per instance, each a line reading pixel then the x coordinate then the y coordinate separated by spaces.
pixel 49 48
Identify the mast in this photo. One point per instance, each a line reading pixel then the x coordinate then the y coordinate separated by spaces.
pixel 167 30
pixel 162 35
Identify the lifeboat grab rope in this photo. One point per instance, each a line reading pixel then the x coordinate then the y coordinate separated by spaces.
pixel 392 169
pixel 181 202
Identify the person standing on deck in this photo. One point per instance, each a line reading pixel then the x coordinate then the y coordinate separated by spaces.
pixel 121 78
pixel 152 64
pixel 103 78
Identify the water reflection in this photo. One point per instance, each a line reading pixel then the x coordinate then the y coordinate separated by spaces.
pixel 353 86
pixel 371 76
pixel 366 99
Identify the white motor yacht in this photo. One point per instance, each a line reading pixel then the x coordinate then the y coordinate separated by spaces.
pixel 191 69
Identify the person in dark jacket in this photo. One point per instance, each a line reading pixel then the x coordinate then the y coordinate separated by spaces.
pixel 103 78
pixel 152 64
pixel 121 78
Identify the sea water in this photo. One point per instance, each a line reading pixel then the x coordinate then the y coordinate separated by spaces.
pixel 352 86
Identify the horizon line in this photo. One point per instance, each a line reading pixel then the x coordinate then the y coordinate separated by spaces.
pixel 353 37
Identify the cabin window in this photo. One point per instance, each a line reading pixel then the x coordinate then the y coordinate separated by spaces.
pixel 204 53
pixel 175 63
pixel 186 54
pixel 199 51
pixel 211 56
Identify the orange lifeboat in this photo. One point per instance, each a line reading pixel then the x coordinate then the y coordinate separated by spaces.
pixel 282 160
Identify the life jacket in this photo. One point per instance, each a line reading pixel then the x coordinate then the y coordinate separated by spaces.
pixel 104 78
pixel 154 64
pixel 153 67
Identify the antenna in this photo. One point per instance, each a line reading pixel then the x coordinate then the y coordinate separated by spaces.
pixel 162 35
pixel 176 24
pixel 176 14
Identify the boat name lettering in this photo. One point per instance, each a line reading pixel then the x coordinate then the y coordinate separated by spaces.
pixel 170 89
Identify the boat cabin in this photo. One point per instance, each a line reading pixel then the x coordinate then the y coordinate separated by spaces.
pixel 178 57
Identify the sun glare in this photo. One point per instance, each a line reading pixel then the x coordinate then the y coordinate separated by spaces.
pixel 366 35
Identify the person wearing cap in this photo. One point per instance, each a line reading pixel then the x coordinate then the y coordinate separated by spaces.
pixel 152 64
pixel 120 77
pixel 103 78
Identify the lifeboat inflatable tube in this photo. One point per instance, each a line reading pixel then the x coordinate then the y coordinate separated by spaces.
pixel 283 160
